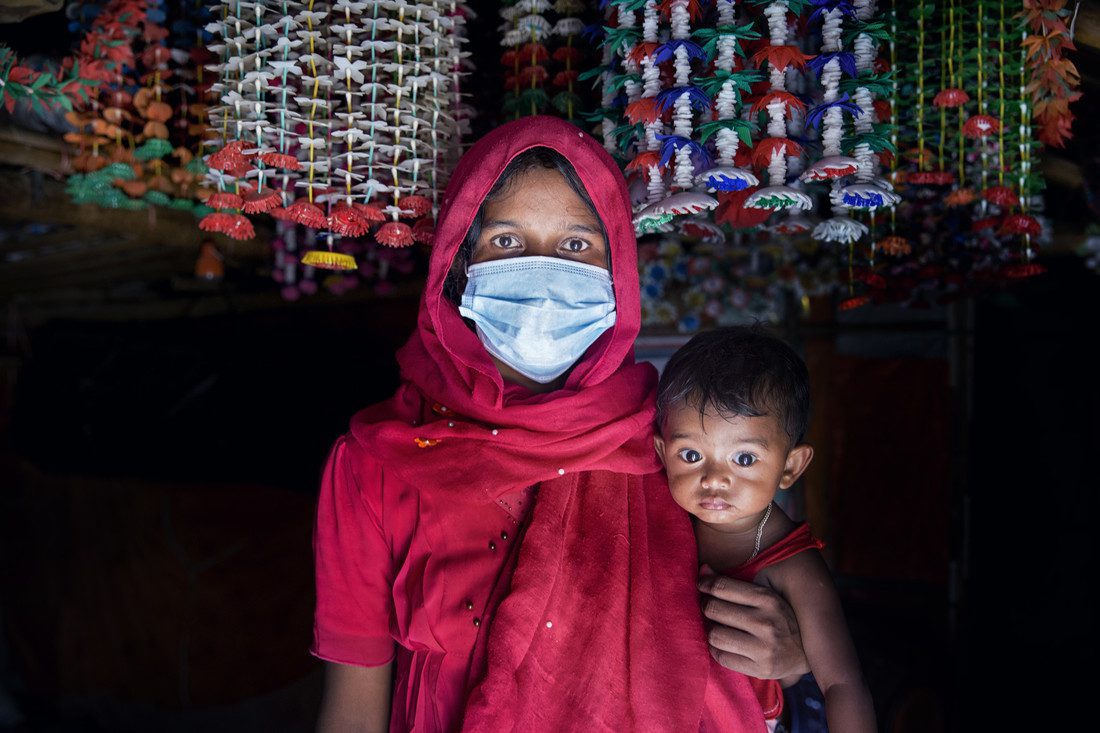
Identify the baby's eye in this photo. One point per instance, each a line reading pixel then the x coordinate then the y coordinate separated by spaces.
pixel 576 246
pixel 690 455
pixel 744 459
pixel 504 241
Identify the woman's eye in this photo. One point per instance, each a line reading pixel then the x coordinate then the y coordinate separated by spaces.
pixel 576 246
pixel 744 459
pixel 504 241
pixel 690 455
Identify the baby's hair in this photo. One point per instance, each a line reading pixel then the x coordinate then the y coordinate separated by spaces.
pixel 530 159
pixel 738 370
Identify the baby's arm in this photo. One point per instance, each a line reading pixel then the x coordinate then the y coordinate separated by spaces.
pixel 804 580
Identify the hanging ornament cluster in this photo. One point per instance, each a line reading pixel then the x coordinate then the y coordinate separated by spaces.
pixel 1053 79
pixel 50 88
pixel 967 155
pixel 342 117
pixel 704 103
pixel 543 57
pixel 134 146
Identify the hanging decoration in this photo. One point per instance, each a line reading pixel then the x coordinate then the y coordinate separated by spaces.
pixel 336 117
pixel 1053 80
pixel 134 145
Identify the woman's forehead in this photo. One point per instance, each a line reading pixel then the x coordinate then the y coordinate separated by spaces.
pixel 539 193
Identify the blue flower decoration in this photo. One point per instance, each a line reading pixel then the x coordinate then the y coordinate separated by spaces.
pixel 671 143
pixel 593 33
pixel 847 62
pixel 667 50
pixel 698 98
pixel 815 115
pixel 824 6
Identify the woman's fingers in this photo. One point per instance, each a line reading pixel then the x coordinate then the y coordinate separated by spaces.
pixel 752 629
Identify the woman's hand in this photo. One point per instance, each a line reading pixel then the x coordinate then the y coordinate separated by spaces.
pixel 751 629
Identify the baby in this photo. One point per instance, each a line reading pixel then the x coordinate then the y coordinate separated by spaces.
pixel 732 411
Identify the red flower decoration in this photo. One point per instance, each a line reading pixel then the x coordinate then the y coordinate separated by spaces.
pixel 769 147
pixel 236 226
pixel 347 222
pixel 394 234
pixel 423 230
pixel 1001 196
pixel 981 126
pixel 572 55
pixel 731 210
pixel 370 212
pixel 780 57
pixel 882 109
pixel 1024 269
pixel 857 302
pixel 989 222
pixel 280 160
pixel 415 206
pixel 790 102
pixel 224 200
pixel 951 97
pixel 1021 224
pixel 931 178
pixel 565 78
pixel 644 160
pixel 532 74
pixel 307 214
pixel 644 110
pixel 640 51
pixel 533 53
pixel 262 201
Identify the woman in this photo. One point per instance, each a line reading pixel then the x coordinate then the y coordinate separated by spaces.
pixel 500 529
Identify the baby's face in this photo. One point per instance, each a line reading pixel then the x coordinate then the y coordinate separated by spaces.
pixel 723 470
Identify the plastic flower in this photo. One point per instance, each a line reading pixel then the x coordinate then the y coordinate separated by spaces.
pixel 1001 196
pixel 981 126
pixel 951 97
pixel 894 245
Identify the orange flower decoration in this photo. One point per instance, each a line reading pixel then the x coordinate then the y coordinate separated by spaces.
pixel 960 197
pixel 894 245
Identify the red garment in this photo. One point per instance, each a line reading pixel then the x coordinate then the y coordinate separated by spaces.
pixel 593 622
pixel 769 692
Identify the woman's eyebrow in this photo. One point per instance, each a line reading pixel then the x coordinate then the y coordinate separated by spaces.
pixel 587 229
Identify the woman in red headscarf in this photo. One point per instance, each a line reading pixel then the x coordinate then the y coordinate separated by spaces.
pixel 496 547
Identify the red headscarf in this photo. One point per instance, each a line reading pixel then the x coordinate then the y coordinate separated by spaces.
pixel 600 627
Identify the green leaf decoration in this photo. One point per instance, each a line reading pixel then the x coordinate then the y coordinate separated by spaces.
pixel 708 38
pixel 876 29
pixel 154 148
pixel 880 85
pixel 742 81
pixel 622 37
pixel 159 198
pixel 743 128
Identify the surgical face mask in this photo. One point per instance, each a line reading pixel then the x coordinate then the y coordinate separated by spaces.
pixel 538 315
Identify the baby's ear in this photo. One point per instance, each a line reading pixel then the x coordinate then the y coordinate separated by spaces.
pixel 798 459
pixel 659 446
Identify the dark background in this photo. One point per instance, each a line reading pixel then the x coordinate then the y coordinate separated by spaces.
pixel 160 445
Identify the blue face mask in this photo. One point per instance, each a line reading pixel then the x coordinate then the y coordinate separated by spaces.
pixel 538 315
